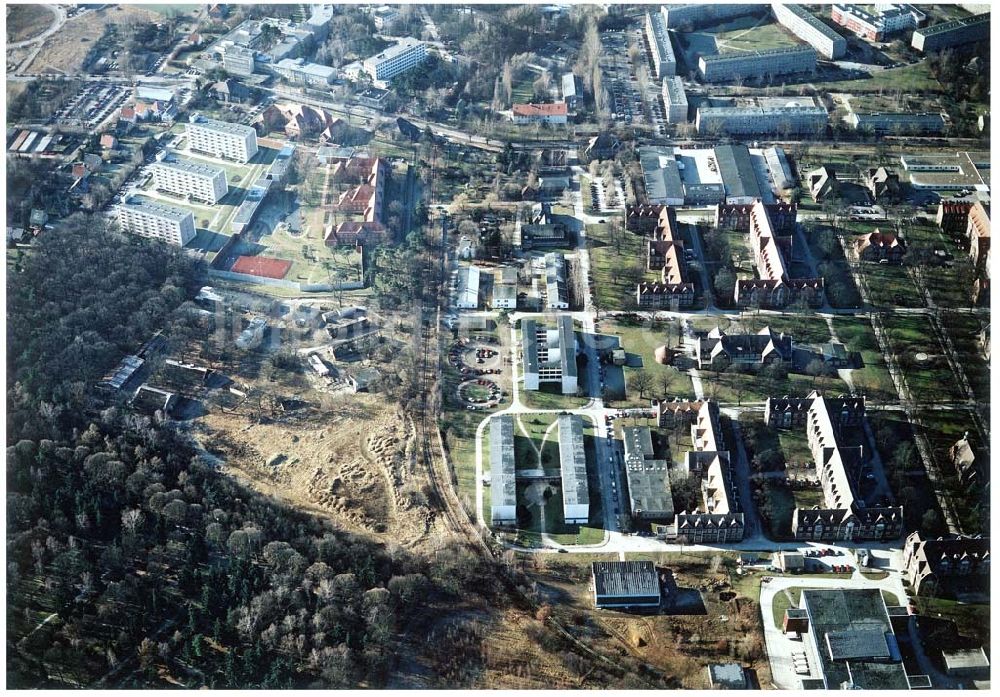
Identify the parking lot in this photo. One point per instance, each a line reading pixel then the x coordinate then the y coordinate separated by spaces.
pixel 95 102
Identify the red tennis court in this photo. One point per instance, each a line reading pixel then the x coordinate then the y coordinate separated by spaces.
pixel 268 267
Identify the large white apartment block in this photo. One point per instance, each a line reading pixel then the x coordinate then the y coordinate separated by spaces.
pixel 230 141
pixel 675 103
pixel 810 29
pixel 760 65
pixel 660 47
pixel 755 120
pixel 696 15
pixel 407 54
pixel 156 221
pixel 186 179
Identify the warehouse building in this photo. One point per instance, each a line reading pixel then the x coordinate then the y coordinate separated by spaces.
pixel 850 642
pixel 675 103
pixel 898 123
pixel 503 496
pixel 230 141
pixel 573 470
pixel 737 173
pixel 661 175
pixel 395 60
pixel 647 476
pixel 468 288
pixel 156 221
pixel 787 120
pixel 690 16
pixel 549 355
pixel 186 179
pixel 952 172
pixel 810 29
pixel 961 32
pixel 664 61
pixel 624 584
pixel 759 65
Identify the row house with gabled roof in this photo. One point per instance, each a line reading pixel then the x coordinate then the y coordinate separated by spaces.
pixel 945 564
pixel 842 471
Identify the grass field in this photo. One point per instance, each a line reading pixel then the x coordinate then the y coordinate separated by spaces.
pixel 762 37
pixel 643 339
pixel 914 79
pixel 930 379
pixel 611 264
pixel 27 21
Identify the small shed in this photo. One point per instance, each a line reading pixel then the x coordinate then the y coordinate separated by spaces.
pixel 618 356
pixel 791 561
pixel 727 676
pixel 971 664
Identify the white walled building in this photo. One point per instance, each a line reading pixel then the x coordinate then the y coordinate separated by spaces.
pixel 201 182
pixel 756 120
pixel 156 221
pixel 407 54
pixel 549 355
pixel 758 65
pixel 230 141
pixel 503 496
pixel 675 103
pixel 573 470
pixel 237 60
pixel 810 29
pixel 468 288
pixel 300 72
pixel 664 61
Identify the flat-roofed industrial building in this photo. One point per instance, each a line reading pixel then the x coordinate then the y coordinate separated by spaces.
pixel 649 493
pixel 625 584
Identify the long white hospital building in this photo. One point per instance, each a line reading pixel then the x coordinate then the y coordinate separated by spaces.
pixel 187 179
pixel 394 60
pixel 156 221
pixel 230 141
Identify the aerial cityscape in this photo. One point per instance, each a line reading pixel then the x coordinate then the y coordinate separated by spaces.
pixel 508 346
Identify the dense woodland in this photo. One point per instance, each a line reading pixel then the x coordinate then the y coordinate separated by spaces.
pixel 158 570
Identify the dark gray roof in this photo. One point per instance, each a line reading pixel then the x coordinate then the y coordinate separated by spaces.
pixel 648 477
pixel 855 643
pixel 663 181
pixel 573 461
pixel 567 345
pixel 737 171
pixel 855 618
pixel 622 578
pixel 502 461
pixel 529 329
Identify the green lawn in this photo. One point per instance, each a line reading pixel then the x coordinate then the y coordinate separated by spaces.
pixel 536 425
pixel 548 396
pixel 971 619
pixel 930 379
pixel 783 600
pixel 643 339
pixel 762 37
pixel 912 79
pixel 614 267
